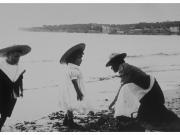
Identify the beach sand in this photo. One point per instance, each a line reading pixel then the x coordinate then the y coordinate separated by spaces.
pixel 100 121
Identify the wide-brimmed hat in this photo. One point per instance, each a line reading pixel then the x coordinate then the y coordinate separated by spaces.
pixel 113 56
pixel 23 49
pixel 80 46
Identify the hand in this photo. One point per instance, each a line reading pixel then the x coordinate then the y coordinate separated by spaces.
pixel 111 106
pixel 21 94
pixel 80 96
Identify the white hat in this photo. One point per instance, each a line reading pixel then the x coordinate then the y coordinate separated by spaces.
pixel 113 56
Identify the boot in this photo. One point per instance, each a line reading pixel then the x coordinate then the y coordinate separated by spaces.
pixel 65 121
pixel 68 119
pixel 73 125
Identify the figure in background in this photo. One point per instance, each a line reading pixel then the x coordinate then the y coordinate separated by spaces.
pixel 73 94
pixel 139 92
pixel 11 79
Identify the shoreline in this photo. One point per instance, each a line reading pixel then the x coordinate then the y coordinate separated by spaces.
pixel 52 122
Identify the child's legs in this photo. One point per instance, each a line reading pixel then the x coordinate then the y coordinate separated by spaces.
pixel 70 114
pixel 68 119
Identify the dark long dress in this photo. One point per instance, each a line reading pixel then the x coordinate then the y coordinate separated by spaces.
pixel 7 100
pixel 152 108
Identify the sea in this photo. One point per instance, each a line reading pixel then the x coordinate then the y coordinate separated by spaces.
pixel 158 55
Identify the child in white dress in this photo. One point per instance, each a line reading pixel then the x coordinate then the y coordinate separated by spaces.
pixel 73 92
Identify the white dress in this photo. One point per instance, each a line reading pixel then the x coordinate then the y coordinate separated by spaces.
pixel 68 95
pixel 128 99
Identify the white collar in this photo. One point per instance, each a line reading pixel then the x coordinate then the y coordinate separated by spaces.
pixel 12 71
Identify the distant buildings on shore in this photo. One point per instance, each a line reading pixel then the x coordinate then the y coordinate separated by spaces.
pixel 158 28
pixel 140 31
pixel 175 29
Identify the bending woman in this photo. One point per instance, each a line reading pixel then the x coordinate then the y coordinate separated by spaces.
pixel 139 92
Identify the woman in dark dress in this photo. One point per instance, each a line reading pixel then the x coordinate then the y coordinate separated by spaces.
pixel 138 92
pixel 11 76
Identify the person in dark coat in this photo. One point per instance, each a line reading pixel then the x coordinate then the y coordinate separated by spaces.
pixel 11 79
pixel 139 92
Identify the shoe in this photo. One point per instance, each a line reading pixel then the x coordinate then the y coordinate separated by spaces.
pixel 73 125
pixel 77 126
pixel 69 122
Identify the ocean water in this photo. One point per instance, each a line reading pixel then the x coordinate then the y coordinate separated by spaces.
pixel 157 55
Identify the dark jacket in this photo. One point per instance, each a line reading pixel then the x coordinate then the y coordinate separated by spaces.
pixel 7 100
pixel 152 108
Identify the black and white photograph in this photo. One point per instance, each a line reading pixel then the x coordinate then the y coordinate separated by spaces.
pixel 89 67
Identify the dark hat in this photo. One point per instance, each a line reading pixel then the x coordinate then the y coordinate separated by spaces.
pixel 114 56
pixel 80 46
pixel 23 49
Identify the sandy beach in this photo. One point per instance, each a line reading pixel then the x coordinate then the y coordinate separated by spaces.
pixel 100 121
pixel 158 55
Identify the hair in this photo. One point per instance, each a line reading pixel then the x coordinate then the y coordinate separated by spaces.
pixel 73 56
pixel 117 61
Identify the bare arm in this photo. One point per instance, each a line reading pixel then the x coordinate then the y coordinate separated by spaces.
pixel 115 99
pixel 78 91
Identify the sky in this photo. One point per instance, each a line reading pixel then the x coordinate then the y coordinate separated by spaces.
pixel 27 15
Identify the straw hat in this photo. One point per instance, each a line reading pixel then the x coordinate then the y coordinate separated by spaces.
pixel 114 56
pixel 23 49
pixel 80 46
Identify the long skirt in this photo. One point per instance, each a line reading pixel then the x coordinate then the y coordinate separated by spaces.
pixel 7 107
pixel 152 108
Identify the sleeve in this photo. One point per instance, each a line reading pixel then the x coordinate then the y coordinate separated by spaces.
pixel 21 84
pixel 74 73
pixel 125 73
